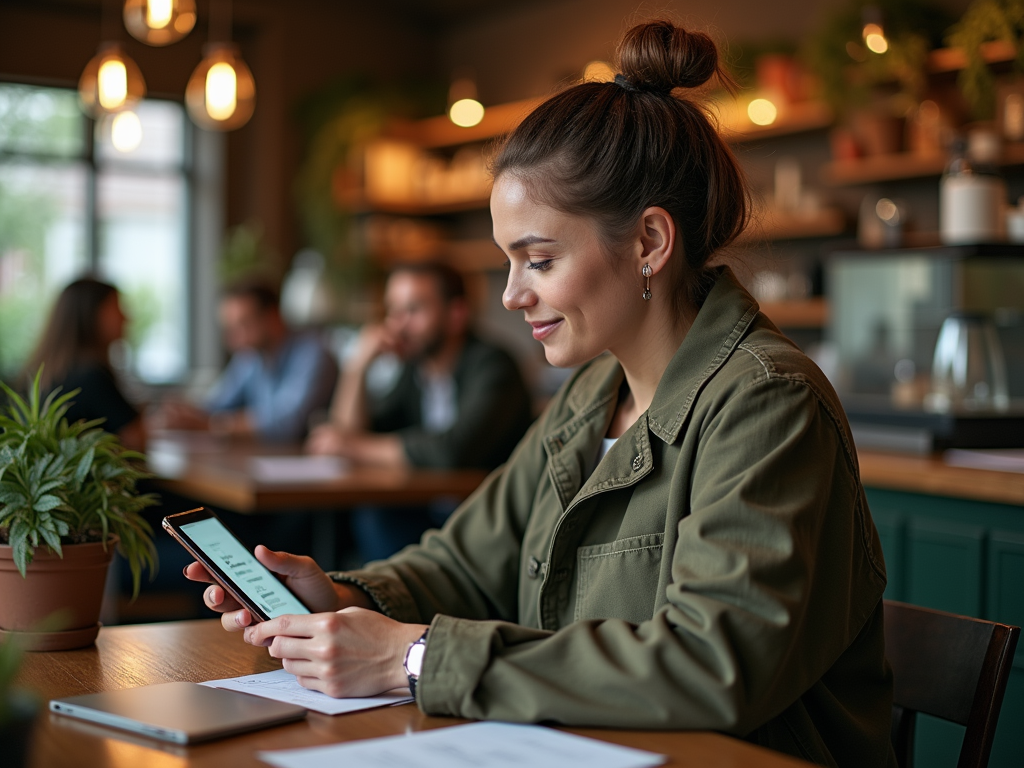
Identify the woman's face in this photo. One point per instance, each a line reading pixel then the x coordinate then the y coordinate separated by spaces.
pixel 111 320
pixel 579 299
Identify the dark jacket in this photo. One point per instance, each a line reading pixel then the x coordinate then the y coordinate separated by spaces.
pixel 493 412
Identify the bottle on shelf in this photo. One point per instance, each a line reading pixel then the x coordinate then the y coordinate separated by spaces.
pixel 972 196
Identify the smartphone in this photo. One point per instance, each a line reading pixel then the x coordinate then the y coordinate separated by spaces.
pixel 232 565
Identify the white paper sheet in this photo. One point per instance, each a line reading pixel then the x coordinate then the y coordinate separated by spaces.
pixel 297 469
pixel 477 745
pixel 1004 460
pixel 282 686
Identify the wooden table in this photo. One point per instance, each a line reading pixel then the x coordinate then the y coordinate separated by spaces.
pixel 130 656
pixel 218 472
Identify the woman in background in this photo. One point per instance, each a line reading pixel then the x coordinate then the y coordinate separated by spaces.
pixel 74 352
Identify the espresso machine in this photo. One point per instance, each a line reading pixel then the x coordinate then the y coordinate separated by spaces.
pixel 929 345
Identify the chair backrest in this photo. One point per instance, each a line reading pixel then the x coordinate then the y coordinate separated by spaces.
pixel 952 667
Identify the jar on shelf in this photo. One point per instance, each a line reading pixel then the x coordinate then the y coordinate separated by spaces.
pixel 972 197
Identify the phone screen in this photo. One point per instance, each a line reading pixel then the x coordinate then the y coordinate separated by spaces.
pixel 240 565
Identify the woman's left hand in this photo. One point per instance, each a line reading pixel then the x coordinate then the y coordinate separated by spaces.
pixel 354 652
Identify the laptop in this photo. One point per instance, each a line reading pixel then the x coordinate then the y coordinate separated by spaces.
pixel 183 713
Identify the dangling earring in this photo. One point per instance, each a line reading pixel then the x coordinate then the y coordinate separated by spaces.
pixel 647 272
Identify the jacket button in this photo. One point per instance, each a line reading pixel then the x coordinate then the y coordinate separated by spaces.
pixel 533 568
pixel 637 463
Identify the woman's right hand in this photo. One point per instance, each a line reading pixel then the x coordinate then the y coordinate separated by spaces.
pixel 301 575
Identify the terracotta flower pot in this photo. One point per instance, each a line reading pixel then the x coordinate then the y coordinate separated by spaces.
pixel 68 591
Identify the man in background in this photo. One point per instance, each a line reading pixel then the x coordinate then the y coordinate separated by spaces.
pixel 458 402
pixel 275 381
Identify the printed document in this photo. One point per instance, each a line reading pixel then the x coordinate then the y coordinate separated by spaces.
pixel 282 686
pixel 297 469
pixel 477 745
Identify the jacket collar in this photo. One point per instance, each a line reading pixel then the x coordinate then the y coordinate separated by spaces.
pixel 720 325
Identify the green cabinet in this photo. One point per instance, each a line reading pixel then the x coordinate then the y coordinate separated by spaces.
pixel 965 557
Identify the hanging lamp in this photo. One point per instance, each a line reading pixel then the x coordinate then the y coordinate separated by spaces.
pixel 110 82
pixel 221 94
pixel 159 22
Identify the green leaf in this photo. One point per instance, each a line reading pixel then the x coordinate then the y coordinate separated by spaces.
pixel 46 502
pixel 84 465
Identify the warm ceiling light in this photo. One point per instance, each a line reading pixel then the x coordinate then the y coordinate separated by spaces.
pixel 159 22
pixel 221 94
pixel 125 131
pixel 598 72
pixel 874 38
pixel 466 113
pixel 762 112
pixel 110 82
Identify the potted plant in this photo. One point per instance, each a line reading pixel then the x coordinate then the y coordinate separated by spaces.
pixel 17 708
pixel 67 498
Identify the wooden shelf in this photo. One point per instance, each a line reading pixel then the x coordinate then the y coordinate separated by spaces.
pixel 904 165
pixel 781 225
pixel 796 118
pixel 439 132
pixel 953 59
pixel 427 209
pixel 800 313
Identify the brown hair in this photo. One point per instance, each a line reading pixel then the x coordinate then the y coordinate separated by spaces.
pixel 72 333
pixel 450 284
pixel 255 289
pixel 611 150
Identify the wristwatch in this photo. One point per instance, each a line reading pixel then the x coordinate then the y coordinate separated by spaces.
pixel 413 663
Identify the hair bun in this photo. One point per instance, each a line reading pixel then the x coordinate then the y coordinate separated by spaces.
pixel 659 56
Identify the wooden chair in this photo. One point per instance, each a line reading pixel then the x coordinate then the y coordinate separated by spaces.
pixel 952 667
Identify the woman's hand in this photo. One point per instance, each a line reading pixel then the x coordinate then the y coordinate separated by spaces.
pixel 302 576
pixel 354 652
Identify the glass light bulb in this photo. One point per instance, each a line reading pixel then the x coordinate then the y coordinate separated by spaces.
pixel 762 112
pixel 159 13
pixel 466 113
pixel 221 91
pixel 876 43
pixel 126 131
pixel 112 84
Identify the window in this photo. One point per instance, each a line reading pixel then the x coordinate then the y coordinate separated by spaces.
pixel 108 198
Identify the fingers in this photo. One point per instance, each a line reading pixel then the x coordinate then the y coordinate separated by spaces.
pixel 236 621
pixel 286 564
pixel 217 599
pixel 197 572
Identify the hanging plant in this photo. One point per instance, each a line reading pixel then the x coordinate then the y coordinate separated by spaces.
pixel 851 73
pixel 986 21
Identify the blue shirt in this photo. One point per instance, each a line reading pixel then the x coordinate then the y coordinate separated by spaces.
pixel 279 391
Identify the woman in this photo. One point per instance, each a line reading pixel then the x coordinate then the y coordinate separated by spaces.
pixel 681 540
pixel 73 353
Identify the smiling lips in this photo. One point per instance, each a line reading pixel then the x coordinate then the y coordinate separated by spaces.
pixel 544 328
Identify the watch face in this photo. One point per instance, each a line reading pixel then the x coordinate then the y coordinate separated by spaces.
pixel 414 661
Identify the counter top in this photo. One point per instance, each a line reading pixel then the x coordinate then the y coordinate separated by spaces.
pixel 933 476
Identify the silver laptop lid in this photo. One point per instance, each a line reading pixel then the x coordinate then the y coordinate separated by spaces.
pixel 183 713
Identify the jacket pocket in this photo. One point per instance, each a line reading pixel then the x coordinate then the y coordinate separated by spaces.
pixel 619 580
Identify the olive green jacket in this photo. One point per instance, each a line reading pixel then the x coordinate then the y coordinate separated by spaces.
pixel 718 569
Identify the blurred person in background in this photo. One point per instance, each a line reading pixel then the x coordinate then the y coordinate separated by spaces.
pixel 275 381
pixel 74 353
pixel 458 403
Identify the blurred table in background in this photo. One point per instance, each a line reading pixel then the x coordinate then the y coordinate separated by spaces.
pixel 249 477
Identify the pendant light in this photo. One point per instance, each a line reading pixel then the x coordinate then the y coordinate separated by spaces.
pixel 111 82
pixel 159 22
pixel 463 108
pixel 221 94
